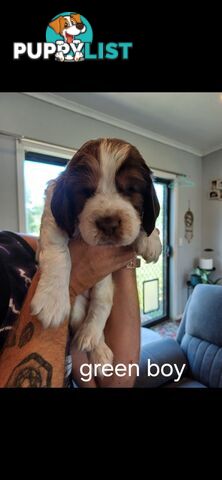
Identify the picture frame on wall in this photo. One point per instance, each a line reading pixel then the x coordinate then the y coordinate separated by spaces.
pixel 215 192
pixel 219 184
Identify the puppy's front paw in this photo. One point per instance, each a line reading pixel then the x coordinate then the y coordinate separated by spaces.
pixel 101 355
pixel 59 57
pixel 50 306
pixel 153 247
pixel 87 337
pixel 78 57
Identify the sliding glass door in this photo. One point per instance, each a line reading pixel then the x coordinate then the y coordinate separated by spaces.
pixel 153 278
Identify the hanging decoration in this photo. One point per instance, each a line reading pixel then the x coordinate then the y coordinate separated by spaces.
pixel 188 220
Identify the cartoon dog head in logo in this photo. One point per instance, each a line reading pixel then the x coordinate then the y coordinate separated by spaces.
pixel 68 27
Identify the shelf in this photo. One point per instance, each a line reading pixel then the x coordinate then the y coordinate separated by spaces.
pixel 206 269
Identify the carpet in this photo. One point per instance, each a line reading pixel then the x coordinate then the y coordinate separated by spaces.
pixel 167 328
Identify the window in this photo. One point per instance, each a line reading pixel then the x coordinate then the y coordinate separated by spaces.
pixel 38 170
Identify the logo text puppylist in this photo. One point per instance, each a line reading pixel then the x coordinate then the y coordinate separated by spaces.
pixel 69 38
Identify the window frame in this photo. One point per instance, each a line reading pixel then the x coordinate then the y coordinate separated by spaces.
pixel 174 232
pixel 167 222
pixel 23 146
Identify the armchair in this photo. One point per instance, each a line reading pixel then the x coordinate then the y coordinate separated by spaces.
pixel 197 350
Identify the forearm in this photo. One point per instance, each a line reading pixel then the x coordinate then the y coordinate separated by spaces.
pixel 33 356
pixel 122 334
pixel 122 331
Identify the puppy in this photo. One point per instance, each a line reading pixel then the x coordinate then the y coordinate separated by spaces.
pixel 106 196
pixel 68 27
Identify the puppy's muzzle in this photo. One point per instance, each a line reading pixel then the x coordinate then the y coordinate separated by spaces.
pixel 108 225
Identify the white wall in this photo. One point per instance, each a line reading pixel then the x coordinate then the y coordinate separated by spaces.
pixel 212 209
pixel 37 120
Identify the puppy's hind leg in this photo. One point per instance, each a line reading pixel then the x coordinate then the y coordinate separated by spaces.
pixel 79 310
pixel 90 332
pixel 101 355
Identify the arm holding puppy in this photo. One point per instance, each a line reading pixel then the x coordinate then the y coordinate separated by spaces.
pixel 34 356
pixel 122 331
pixel 122 334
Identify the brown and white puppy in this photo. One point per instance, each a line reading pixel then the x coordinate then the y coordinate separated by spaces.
pixel 68 27
pixel 106 196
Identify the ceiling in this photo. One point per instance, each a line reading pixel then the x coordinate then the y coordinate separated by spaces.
pixel 190 121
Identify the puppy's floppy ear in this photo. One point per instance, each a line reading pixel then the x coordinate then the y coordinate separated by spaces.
pixel 76 17
pixel 151 207
pixel 62 210
pixel 56 24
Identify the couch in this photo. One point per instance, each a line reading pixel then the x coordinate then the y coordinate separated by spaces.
pixel 194 359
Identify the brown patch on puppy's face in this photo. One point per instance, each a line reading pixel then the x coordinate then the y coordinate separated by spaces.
pixel 131 184
pixel 133 181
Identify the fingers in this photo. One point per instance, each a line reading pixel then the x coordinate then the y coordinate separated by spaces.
pixel 125 255
pixel 124 251
pixel 116 254
pixel 103 259
pixel 107 251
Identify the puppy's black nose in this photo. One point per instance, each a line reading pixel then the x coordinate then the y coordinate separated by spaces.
pixel 108 225
pixel 79 26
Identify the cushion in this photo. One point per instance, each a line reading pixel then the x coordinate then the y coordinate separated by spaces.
pixel 148 335
pixel 204 315
pixel 205 360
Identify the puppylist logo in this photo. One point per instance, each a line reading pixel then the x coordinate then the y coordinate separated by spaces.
pixel 69 38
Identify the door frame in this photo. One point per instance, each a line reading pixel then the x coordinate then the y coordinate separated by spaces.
pixel 174 287
pixel 167 182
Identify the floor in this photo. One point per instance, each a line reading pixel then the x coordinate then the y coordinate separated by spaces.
pixel 167 329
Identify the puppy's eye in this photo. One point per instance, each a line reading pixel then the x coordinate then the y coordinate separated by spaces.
pixel 66 25
pixel 132 189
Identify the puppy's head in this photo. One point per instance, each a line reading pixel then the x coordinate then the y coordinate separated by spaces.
pixel 69 24
pixel 107 193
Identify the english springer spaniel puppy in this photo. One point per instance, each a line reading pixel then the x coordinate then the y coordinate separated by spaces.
pixel 106 196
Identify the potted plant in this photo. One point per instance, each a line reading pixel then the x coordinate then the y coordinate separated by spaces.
pixel 200 275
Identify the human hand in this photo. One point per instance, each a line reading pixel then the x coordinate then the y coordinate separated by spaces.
pixel 90 264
